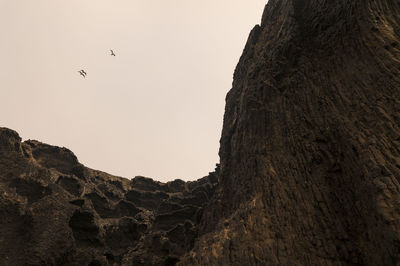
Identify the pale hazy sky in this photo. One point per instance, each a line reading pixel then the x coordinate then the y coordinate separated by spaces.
pixel 156 109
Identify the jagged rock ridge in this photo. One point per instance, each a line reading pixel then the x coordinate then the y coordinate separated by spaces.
pixel 55 211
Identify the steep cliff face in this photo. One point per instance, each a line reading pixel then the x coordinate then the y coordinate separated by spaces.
pixel 310 148
pixel 55 211
pixel 309 171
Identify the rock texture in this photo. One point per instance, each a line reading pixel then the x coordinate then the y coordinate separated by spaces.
pixel 310 148
pixel 55 211
pixel 309 171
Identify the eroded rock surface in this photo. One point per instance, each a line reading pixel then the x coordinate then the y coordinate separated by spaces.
pixel 309 171
pixel 310 150
pixel 55 211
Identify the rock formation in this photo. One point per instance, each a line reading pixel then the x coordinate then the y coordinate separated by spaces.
pixel 55 211
pixel 309 162
pixel 310 148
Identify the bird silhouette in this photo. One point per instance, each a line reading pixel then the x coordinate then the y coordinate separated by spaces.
pixel 112 53
pixel 83 73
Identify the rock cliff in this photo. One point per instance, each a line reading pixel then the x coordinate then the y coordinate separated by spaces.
pixel 55 211
pixel 309 162
pixel 310 148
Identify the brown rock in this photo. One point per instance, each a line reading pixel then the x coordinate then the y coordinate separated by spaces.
pixel 309 160
pixel 309 171
pixel 52 214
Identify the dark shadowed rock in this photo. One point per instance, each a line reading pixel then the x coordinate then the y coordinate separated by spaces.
pixel 55 211
pixel 309 169
pixel 9 140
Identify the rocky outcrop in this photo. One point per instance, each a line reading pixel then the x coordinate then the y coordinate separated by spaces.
pixel 55 211
pixel 310 148
pixel 309 162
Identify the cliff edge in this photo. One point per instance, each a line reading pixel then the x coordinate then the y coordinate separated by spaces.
pixel 310 147
pixel 55 211
pixel 309 162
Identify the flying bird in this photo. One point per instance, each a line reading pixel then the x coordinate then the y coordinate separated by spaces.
pixel 112 53
pixel 83 73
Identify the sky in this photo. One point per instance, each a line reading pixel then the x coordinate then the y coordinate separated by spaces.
pixel 155 109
